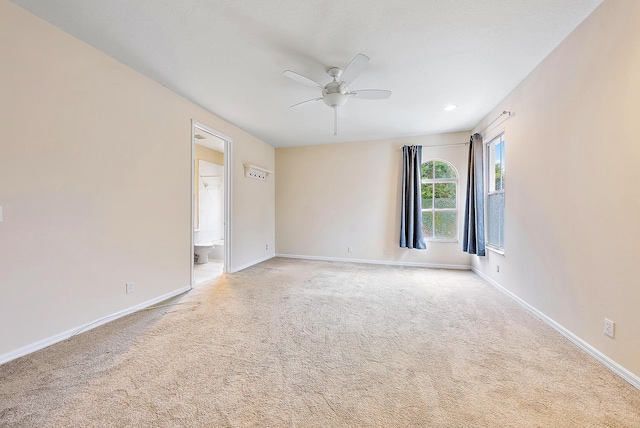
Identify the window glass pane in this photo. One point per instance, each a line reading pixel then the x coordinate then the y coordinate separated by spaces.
pixel 445 195
pixel 427 170
pixel 445 224
pixel 497 166
pixel 495 223
pixel 427 224
pixel 491 171
pixel 502 164
pixel 427 196
pixel 438 192
pixel 496 182
pixel 498 177
pixel 495 162
pixel 444 170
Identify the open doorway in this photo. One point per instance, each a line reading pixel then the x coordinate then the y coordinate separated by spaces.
pixel 210 207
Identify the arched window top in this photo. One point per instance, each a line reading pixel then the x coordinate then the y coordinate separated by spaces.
pixel 437 169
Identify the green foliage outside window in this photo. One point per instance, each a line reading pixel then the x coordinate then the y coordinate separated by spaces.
pixel 499 177
pixel 442 170
pixel 439 203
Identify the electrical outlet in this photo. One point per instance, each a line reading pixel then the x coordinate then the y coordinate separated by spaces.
pixel 609 328
pixel 349 250
pixel 385 251
pixel 130 287
pixel 498 268
pixel 266 247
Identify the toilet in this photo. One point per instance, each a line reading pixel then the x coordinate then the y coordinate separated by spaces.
pixel 202 245
pixel 201 252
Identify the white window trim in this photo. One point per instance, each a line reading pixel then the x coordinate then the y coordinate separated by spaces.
pixel 495 133
pixel 497 250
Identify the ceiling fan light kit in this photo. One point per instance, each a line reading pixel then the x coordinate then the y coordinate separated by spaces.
pixel 336 93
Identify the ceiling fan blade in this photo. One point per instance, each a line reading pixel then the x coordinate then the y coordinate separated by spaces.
pixel 355 68
pixel 370 94
pixel 301 79
pixel 304 102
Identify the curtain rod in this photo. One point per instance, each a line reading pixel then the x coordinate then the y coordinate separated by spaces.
pixel 444 145
pixel 505 112
pixel 508 113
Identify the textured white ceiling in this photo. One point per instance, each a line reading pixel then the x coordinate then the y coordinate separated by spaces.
pixel 228 56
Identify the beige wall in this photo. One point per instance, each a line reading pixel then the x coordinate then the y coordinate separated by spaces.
pixel 572 204
pixel 330 197
pixel 254 207
pixel 95 183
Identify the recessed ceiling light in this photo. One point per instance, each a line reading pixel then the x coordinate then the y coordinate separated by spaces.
pixel 450 107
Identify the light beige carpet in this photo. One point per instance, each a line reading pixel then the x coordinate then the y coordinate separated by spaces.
pixel 296 343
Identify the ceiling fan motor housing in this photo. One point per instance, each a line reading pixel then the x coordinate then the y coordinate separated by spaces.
pixel 335 94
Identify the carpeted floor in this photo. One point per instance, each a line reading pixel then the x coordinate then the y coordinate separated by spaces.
pixel 297 343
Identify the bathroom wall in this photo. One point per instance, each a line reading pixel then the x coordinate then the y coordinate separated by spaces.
pixel 209 155
pixel 210 202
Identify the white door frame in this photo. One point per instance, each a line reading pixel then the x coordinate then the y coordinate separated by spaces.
pixel 228 143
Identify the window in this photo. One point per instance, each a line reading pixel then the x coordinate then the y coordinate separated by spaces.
pixel 495 192
pixel 439 201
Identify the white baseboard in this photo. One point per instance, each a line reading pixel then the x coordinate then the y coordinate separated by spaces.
pixel 606 361
pixel 246 265
pixel 28 349
pixel 376 262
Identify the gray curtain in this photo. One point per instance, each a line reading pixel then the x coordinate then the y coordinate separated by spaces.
pixel 473 237
pixel 411 216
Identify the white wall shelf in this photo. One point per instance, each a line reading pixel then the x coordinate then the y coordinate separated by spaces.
pixel 256 172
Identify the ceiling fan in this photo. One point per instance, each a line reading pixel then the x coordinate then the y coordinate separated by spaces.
pixel 337 93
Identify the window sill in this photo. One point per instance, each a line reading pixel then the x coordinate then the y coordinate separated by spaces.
pixel 446 241
pixel 495 250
